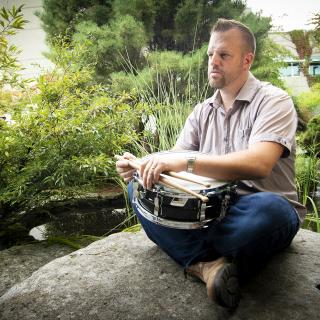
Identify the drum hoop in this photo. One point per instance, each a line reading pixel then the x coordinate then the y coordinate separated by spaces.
pixel 170 223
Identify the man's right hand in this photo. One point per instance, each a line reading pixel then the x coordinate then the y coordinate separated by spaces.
pixel 123 168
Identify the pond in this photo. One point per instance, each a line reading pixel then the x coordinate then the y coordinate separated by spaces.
pixel 97 222
pixel 96 214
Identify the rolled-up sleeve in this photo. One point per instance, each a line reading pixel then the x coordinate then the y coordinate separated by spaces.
pixel 276 121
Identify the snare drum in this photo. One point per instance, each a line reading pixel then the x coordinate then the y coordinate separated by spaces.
pixel 173 208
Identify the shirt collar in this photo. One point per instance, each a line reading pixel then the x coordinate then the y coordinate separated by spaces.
pixel 246 93
pixel 249 89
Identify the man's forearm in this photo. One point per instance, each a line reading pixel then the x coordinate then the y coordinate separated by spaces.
pixel 254 163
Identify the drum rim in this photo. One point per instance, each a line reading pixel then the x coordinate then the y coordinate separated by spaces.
pixel 171 223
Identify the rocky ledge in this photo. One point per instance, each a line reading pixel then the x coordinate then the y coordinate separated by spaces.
pixel 125 276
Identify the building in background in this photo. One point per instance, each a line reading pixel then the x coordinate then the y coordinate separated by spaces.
pixel 31 39
pixel 292 74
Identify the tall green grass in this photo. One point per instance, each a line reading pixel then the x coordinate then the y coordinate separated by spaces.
pixel 307 180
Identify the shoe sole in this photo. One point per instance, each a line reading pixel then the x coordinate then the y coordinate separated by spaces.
pixel 226 286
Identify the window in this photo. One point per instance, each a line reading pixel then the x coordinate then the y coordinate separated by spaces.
pixel 314 69
pixel 292 69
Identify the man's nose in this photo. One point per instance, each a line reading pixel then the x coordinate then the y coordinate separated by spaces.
pixel 214 59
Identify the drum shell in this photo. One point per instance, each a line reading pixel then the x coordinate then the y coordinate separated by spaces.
pixel 184 208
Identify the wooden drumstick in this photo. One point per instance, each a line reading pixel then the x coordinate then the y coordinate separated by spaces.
pixel 177 175
pixel 169 183
pixel 183 177
pixel 178 186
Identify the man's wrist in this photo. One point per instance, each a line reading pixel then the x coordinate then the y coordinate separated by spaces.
pixel 191 159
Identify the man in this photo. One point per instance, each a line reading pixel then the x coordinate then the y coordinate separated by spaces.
pixel 246 132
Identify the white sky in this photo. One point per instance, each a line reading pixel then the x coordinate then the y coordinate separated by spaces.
pixel 287 15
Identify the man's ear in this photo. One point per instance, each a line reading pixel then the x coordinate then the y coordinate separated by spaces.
pixel 248 60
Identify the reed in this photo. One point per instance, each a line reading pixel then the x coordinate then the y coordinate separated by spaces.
pixel 307 180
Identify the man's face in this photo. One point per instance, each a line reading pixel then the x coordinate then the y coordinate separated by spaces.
pixel 227 59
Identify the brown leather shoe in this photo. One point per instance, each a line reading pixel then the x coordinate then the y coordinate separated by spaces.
pixel 221 280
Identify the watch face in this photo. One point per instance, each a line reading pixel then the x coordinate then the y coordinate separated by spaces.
pixel 190 164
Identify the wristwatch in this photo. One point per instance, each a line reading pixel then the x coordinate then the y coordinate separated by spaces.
pixel 190 163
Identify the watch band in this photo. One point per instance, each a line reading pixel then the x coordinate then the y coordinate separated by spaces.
pixel 190 163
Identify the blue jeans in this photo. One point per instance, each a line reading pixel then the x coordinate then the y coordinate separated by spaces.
pixel 256 227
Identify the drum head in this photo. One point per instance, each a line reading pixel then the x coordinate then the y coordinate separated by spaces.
pixel 195 186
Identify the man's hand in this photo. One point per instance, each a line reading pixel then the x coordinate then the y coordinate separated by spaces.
pixel 152 166
pixel 123 168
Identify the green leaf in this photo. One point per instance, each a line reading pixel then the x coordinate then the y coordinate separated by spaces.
pixel 4 14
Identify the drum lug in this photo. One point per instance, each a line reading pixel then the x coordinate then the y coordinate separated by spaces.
pixel 224 206
pixel 156 206
pixel 203 211
pixel 142 194
pixel 157 202
pixel 135 189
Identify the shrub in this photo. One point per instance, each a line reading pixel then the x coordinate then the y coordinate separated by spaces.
pixel 65 141
pixel 311 137
pixel 309 102
pixel 111 47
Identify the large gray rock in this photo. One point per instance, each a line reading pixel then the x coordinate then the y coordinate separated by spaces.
pixel 125 276
pixel 19 262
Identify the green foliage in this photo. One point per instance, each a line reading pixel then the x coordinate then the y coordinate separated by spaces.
pixel 111 47
pixel 11 20
pixel 74 241
pixel 267 64
pixel 169 77
pixel 316 21
pixel 66 139
pixel 168 122
pixel 311 137
pixel 124 44
pixel 141 10
pixel 194 19
pixel 309 102
pixel 134 228
pixel 59 17
pixel 307 180
pixel 6 102
pixel 307 175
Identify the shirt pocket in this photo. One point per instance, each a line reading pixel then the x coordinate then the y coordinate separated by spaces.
pixel 243 138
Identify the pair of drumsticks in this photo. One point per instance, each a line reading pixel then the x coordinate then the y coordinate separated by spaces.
pixel 163 179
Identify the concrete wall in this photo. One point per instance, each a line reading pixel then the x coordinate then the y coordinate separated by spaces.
pixel 30 40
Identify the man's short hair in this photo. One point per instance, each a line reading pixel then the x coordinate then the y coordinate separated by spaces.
pixel 223 25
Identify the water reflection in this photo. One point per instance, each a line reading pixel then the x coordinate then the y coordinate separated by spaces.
pixel 97 222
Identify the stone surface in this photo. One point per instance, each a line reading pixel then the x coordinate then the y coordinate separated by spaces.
pixel 19 262
pixel 125 276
